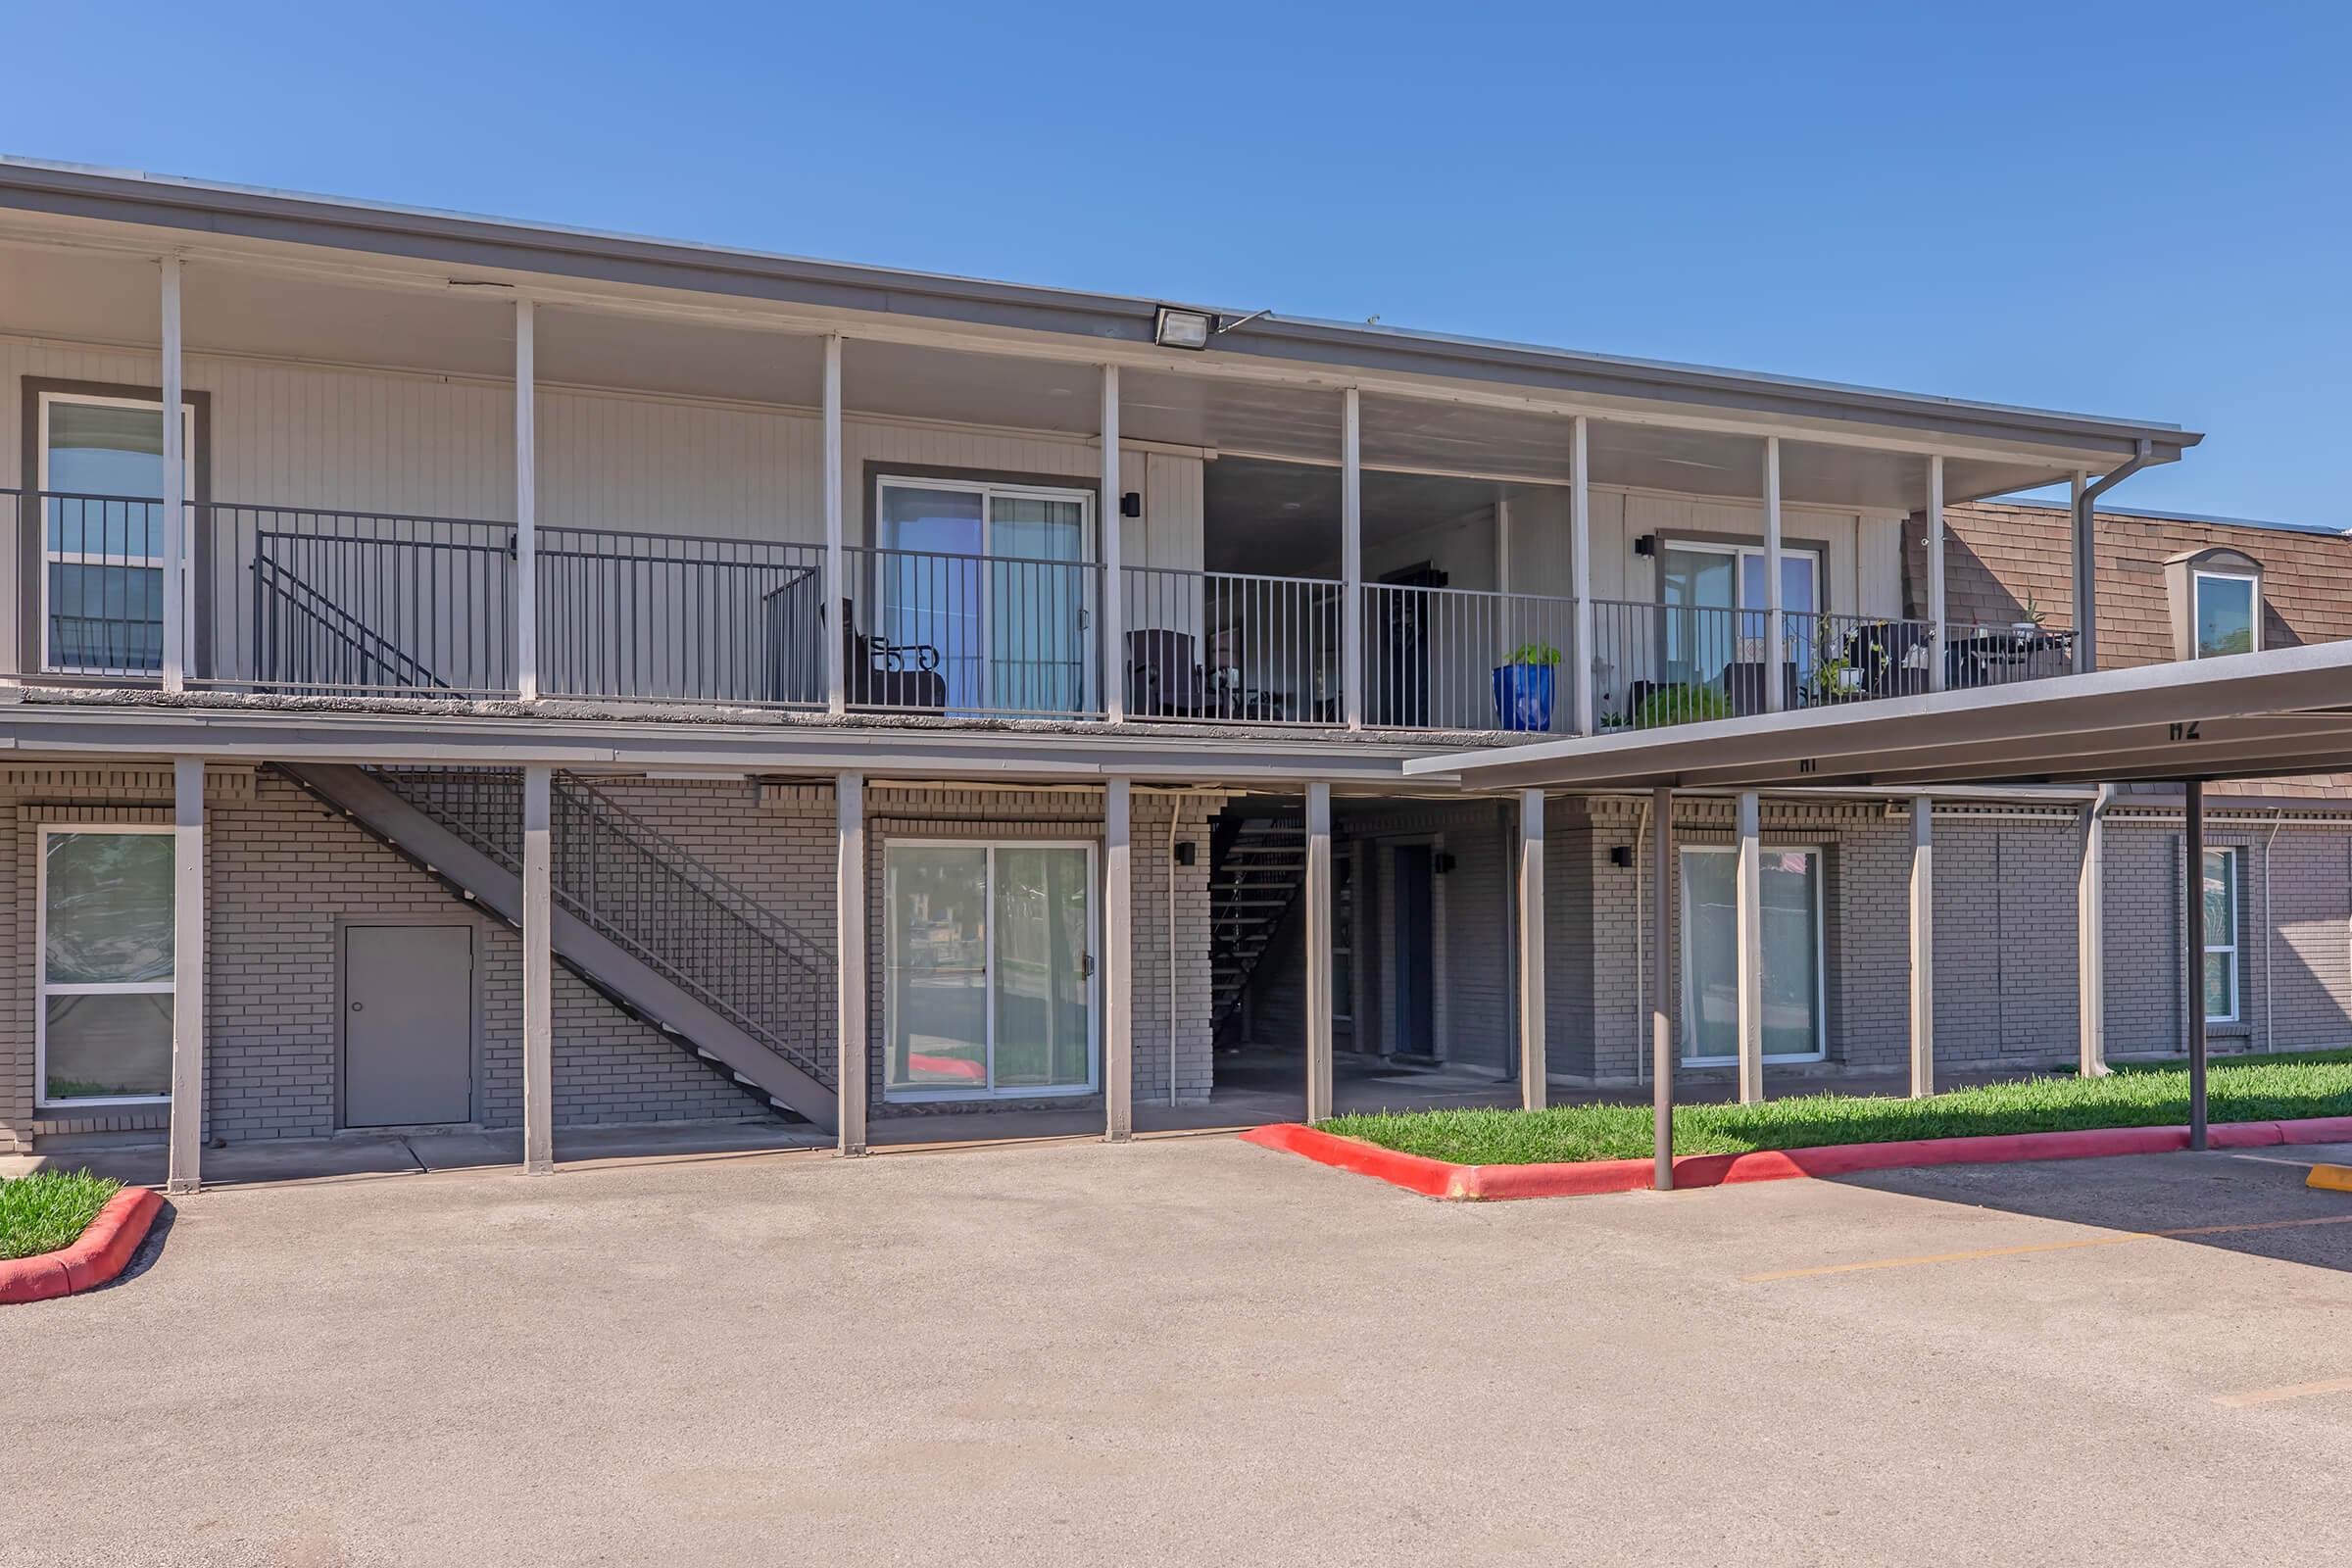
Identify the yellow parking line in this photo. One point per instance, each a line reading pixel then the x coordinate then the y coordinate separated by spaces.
pixel 2115 1239
pixel 2293 1390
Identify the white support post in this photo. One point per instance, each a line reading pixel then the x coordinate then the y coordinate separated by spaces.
pixel 1661 978
pixel 1750 888
pixel 837 560
pixel 2090 936
pixel 1317 894
pixel 1776 650
pixel 1937 671
pixel 1922 946
pixel 1119 961
pixel 177 579
pixel 1351 557
pixel 849 944
pixel 538 972
pixel 2086 580
pixel 1534 1059
pixel 1580 576
pixel 1113 618
pixel 527 502
pixel 183 1173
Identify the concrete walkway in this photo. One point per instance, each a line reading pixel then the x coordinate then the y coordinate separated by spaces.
pixel 1190 1350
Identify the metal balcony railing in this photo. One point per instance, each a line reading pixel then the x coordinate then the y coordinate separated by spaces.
pixel 1232 647
pixel 1461 659
pixel 987 636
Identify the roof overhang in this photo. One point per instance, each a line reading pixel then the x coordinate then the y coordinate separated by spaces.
pixel 2250 716
pixel 438 244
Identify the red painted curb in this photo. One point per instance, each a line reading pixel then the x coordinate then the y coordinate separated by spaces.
pixel 1438 1178
pixel 102 1252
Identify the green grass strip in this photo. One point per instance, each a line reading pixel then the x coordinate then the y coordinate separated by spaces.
pixel 2280 1088
pixel 49 1210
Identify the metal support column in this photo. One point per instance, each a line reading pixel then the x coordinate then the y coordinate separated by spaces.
pixel 837 560
pixel 1533 1057
pixel 1775 617
pixel 1750 897
pixel 2192 958
pixel 1580 576
pixel 527 502
pixel 2090 936
pixel 1317 894
pixel 1118 962
pixel 1352 559
pixel 1938 667
pixel 1114 617
pixel 179 580
pixel 1661 976
pixel 1923 946
pixel 183 1171
pixel 849 944
pixel 538 972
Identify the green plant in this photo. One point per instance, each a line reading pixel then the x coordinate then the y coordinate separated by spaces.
pixel 1534 652
pixel 2029 610
pixel 1681 704
pixel 49 1210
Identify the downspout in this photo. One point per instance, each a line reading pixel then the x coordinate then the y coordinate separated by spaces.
pixel 2269 1024
pixel 2087 596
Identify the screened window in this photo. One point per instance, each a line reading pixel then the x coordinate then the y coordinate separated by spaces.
pixel 2229 615
pixel 2221 936
pixel 106 976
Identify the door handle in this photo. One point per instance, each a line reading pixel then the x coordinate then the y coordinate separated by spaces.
pixel 359 1006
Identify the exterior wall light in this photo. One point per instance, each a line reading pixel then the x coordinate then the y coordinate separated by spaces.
pixel 1172 328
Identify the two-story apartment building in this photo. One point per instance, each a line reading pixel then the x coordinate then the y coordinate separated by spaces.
pixel 465 672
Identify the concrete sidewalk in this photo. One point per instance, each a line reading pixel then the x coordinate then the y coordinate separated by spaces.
pixel 1190 1350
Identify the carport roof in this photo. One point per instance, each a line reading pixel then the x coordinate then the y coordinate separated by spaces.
pixel 2248 716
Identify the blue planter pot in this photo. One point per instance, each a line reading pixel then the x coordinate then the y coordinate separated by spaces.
pixel 1523 697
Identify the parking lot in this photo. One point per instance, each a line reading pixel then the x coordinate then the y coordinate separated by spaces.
pixel 1195 1349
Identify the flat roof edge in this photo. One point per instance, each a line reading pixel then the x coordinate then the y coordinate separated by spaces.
pixel 461 239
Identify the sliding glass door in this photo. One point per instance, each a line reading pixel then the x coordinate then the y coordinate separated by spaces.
pixel 997 580
pixel 989 969
pixel 1790 890
pixel 1715 596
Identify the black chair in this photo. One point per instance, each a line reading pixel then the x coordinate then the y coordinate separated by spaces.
pixel 887 674
pixel 1164 679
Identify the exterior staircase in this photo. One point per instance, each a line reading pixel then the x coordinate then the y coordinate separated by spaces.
pixel 663 935
pixel 1256 865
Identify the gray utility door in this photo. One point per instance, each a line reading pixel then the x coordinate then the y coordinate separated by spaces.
pixel 408 1025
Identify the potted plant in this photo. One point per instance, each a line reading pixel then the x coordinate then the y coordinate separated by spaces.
pixel 1523 687
pixel 2029 621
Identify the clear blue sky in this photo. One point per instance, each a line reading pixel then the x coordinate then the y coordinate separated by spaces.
pixel 2141 210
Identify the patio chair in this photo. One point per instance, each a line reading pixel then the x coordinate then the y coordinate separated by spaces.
pixel 1163 680
pixel 887 674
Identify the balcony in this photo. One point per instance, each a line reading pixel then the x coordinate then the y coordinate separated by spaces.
pixel 296 601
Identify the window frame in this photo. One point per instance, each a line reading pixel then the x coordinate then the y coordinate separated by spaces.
pixel 42 990
pixel 1686 1026
pixel 1094 977
pixel 47 558
pixel 2231 858
pixel 2197 578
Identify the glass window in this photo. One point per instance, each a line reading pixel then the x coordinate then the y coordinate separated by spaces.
pixel 102 475
pixel 989 968
pixel 1790 894
pixel 106 965
pixel 2227 615
pixel 2221 936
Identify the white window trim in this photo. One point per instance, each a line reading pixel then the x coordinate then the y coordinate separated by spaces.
pixel 1689 1028
pixel 42 990
pixel 77 557
pixel 2196 593
pixel 1094 979
pixel 2230 858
